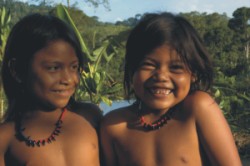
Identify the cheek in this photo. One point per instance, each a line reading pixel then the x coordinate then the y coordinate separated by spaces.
pixel 41 83
pixel 36 87
pixel 184 79
pixel 141 76
pixel 138 82
pixel 76 78
pixel 183 82
pixel 136 79
pixel 42 80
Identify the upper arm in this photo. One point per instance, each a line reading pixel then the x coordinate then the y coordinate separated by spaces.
pixel 214 132
pixel 5 137
pixel 90 112
pixel 107 146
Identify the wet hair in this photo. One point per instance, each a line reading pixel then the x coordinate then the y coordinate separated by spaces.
pixel 29 35
pixel 157 29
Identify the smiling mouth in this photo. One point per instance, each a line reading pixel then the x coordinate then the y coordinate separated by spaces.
pixel 64 92
pixel 160 91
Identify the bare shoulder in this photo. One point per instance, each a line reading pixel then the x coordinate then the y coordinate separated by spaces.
pixel 117 116
pixel 116 121
pixel 90 112
pixel 213 129
pixel 202 106
pixel 7 133
pixel 199 99
pixel 113 127
pixel 204 109
pixel 200 102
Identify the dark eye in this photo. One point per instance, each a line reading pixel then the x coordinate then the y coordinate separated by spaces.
pixel 178 68
pixel 147 65
pixel 53 68
pixel 75 67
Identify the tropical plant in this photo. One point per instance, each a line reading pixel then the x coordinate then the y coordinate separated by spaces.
pixel 95 82
pixel 5 18
pixel 240 23
pixel 4 29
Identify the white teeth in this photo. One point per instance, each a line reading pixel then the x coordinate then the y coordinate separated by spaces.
pixel 161 91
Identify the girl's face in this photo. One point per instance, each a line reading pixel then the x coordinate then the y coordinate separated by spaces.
pixel 162 79
pixel 54 74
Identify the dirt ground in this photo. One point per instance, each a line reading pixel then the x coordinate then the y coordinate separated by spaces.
pixel 243 143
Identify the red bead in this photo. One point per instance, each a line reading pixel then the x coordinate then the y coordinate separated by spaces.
pixel 31 142
pixel 157 124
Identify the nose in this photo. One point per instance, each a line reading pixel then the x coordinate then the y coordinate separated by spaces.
pixel 161 75
pixel 66 77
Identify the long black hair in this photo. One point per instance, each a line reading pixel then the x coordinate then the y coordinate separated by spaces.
pixel 29 35
pixel 156 29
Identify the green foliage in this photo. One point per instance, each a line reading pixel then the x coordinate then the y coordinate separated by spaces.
pixel 235 106
pixel 227 40
pixel 5 18
pixel 241 25
pixel 231 66
pixel 240 21
pixel 96 3
pixel 63 14
pixel 95 82
pixel 4 29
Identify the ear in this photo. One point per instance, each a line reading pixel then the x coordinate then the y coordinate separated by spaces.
pixel 12 68
pixel 193 78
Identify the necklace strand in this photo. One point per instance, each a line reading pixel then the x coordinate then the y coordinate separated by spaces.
pixel 39 142
pixel 156 124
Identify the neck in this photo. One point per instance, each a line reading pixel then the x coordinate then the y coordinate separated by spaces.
pixel 39 142
pixel 43 114
pixel 158 120
pixel 145 110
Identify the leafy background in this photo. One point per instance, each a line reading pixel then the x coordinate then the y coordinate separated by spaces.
pixel 227 40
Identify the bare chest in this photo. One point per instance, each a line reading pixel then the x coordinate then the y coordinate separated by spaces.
pixel 75 145
pixel 175 144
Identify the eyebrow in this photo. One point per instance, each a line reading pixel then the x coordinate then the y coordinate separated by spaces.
pixel 57 60
pixel 75 61
pixel 177 61
pixel 172 59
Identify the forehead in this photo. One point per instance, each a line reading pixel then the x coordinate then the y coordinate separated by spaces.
pixel 164 52
pixel 59 50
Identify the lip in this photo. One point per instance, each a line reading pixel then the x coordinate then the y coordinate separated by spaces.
pixel 159 91
pixel 64 92
pixel 162 91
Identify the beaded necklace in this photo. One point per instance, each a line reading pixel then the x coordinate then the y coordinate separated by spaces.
pixel 156 124
pixel 39 142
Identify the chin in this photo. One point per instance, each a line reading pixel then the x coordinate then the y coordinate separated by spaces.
pixel 53 106
pixel 61 105
pixel 159 106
